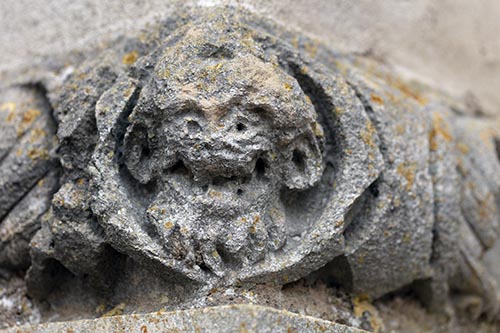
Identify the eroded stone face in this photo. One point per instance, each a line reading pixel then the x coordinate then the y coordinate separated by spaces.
pixel 200 166
pixel 219 150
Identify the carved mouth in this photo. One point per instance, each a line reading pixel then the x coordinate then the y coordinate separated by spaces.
pixel 219 186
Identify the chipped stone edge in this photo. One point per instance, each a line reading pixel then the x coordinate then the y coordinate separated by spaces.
pixel 226 318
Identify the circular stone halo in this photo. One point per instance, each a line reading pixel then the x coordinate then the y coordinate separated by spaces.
pixel 350 151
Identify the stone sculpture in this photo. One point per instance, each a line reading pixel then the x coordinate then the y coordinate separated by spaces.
pixel 218 149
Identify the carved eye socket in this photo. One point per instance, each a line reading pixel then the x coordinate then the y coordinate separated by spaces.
pixel 145 152
pixel 257 111
pixel 240 127
pixel 260 110
pixel 193 126
pixel 298 159
pixel 260 167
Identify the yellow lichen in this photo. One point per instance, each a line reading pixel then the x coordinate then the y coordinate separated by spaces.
pixel 9 106
pixel 30 115
pixel 214 194
pixel 363 307
pixel 486 207
pixel 10 116
pixel 464 149
pixel 130 58
pixel 116 311
pixel 439 128
pixel 35 154
pixel 407 171
pixel 129 92
pixel 215 67
pixel 317 130
pixel 100 308
pixel 376 99
pixel 409 90
pixel 166 73
pixel 391 97
pixel 311 48
pixel 487 135
pixel 288 86
pixel 37 134
pixel 243 328
pixel 367 135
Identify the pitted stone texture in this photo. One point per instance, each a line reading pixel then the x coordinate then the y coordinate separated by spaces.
pixel 217 149
pixel 234 318
pixel 202 163
pixel 22 222
pixel 221 153
pixel 28 173
pixel 27 138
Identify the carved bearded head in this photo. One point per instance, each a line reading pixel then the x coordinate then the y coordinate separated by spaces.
pixel 221 132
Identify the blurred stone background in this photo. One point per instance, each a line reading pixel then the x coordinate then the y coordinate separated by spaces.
pixel 453 45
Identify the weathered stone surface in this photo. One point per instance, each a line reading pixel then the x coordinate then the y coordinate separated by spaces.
pixel 219 150
pixel 217 141
pixel 27 131
pixel 234 318
pixel 22 222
